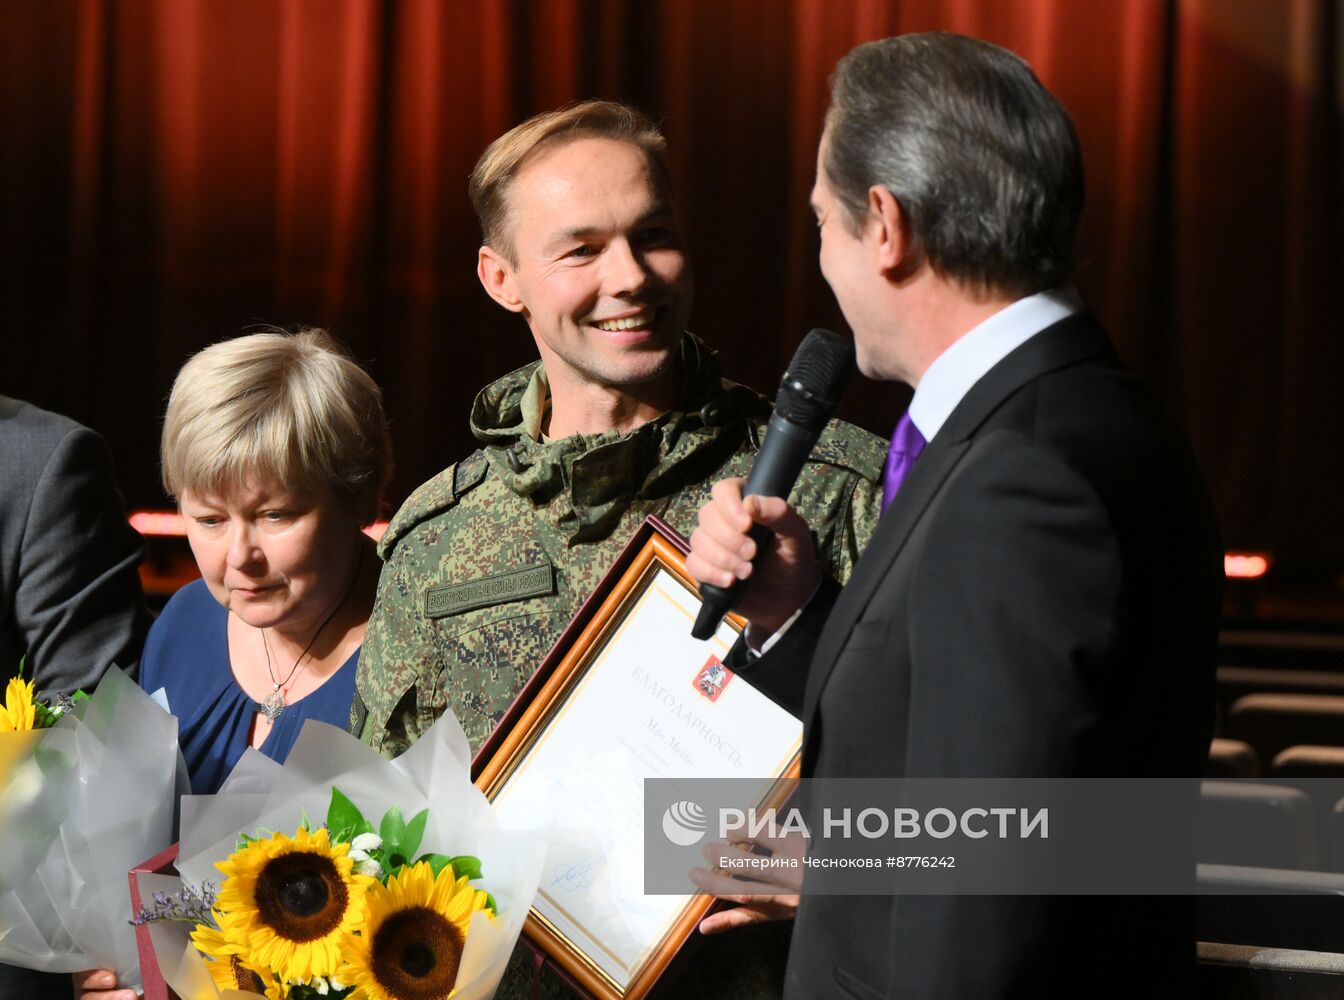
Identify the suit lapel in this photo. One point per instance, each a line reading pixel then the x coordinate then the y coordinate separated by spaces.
pixel 1065 343
pixel 920 486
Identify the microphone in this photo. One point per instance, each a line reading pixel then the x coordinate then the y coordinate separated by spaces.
pixel 808 396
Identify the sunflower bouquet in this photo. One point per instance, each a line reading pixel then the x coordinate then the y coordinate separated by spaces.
pixel 407 909
pixel 24 712
pixel 340 911
pixel 87 787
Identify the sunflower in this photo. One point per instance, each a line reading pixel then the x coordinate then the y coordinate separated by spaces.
pixel 18 713
pixel 413 936
pixel 229 970
pixel 288 903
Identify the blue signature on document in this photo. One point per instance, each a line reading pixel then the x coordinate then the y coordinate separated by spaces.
pixel 574 877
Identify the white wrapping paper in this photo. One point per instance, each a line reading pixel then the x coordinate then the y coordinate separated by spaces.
pixel 81 803
pixel 434 773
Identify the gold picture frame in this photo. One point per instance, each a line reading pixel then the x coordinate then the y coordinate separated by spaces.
pixel 643 578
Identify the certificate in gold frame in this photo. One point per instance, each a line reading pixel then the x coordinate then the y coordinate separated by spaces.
pixel 655 555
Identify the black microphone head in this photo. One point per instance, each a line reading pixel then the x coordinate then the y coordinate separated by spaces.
pixel 810 389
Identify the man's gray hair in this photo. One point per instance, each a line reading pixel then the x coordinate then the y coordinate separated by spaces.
pixel 981 157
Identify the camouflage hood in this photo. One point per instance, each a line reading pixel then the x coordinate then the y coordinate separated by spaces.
pixel 583 484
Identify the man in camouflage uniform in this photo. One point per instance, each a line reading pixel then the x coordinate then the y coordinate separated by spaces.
pixel 624 416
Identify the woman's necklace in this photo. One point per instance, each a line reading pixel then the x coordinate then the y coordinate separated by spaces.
pixel 274 703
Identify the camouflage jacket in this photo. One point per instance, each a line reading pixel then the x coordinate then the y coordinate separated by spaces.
pixel 486 564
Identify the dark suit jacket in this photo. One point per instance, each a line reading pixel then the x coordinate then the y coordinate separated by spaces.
pixel 1040 600
pixel 70 595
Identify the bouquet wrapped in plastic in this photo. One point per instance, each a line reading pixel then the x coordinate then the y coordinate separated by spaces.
pixel 87 789
pixel 342 874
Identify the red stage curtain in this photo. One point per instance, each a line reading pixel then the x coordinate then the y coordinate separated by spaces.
pixel 173 172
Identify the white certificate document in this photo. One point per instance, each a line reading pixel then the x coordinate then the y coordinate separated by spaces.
pixel 653 703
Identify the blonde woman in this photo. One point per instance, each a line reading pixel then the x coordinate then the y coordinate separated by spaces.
pixel 276 449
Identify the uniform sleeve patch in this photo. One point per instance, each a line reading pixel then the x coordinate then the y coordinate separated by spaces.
pixel 515 585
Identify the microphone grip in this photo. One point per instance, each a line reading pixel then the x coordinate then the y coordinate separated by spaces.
pixel 775 470
pixel 718 601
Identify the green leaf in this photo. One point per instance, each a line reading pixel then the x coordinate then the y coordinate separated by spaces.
pixel 43 717
pixel 343 814
pixel 80 695
pixel 23 662
pixel 466 864
pixel 436 862
pixel 491 905
pixel 415 832
pixel 393 832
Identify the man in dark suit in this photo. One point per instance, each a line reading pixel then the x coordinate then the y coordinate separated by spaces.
pixel 70 597
pixel 1040 598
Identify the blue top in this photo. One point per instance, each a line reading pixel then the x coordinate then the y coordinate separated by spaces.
pixel 187 654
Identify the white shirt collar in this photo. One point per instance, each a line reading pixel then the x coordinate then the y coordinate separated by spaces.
pixel 957 369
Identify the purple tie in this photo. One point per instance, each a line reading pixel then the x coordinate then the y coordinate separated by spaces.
pixel 906 444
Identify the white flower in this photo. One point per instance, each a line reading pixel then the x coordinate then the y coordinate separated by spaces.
pixel 365 842
pixel 367 866
pixel 319 984
pixel 335 983
pixel 359 853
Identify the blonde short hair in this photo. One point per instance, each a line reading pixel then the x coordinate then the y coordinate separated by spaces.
pixel 288 408
pixel 503 158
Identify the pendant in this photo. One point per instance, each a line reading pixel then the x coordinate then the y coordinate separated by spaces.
pixel 273 705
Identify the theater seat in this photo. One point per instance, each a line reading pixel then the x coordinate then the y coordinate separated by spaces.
pixel 1234 682
pixel 1266 826
pixel 1273 722
pixel 1231 759
pixel 1335 836
pixel 1309 762
pixel 1248 972
pixel 1268 908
